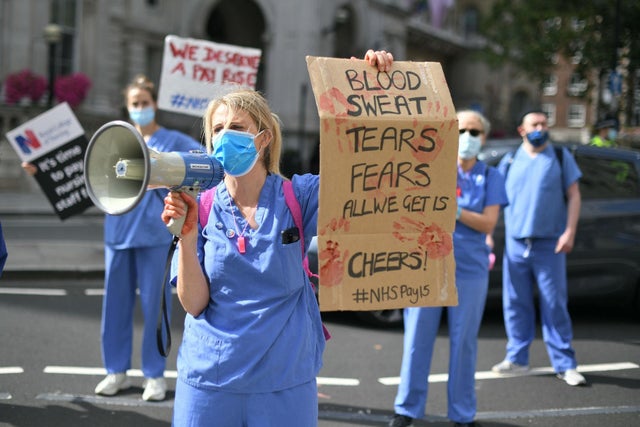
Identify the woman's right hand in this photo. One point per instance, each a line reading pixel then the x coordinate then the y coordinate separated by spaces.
pixel 178 204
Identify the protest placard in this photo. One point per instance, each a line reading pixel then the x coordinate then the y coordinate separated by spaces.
pixel 196 71
pixel 55 143
pixel 388 151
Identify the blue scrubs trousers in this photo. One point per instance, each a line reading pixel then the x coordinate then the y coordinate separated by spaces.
pixel 420 331
pixel 527 262
pixel 126 270
pixel 196 407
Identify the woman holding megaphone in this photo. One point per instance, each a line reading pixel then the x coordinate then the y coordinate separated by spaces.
pixel 253 337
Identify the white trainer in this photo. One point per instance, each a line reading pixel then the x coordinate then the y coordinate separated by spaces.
pixel 112 384
pixel 508 367
pixel 572 377
pixel 154 389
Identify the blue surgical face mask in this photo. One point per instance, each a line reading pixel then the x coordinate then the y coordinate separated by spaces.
pixel 143 116
pixel 236 151
pixel 468 146
pixel 537 138
pixel 612 134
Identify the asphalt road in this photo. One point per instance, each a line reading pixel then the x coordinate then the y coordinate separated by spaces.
pixel 50 299
pixel 50 363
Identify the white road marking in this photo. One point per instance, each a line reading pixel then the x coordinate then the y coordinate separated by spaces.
pixel 489 375
pixel 33 291
pixel 348 414
pixel 78 370
pixel 11 370
pixel 137 373
pixel 348 382
pixel 98 292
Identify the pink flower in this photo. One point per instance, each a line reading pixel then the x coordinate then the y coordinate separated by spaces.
pixel 72 88
pixel 24 84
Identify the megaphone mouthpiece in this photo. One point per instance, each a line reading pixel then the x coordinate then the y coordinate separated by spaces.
pixel 130 169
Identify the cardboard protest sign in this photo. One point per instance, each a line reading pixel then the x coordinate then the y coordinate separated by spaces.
pixel 196 71
pixel 388 150
pixel 55 143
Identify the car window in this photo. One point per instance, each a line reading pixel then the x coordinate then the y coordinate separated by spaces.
pixel 606 178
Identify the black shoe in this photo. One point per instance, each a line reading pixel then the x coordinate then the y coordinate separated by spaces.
pixel 471 424
pixel 400 421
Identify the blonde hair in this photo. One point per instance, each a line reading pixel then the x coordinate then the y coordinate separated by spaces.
pixel 254 104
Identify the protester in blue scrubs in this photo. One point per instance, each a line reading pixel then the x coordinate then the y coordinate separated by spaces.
pixel 540 228
pixel 480 191
pixel 136 247
pixel 253 338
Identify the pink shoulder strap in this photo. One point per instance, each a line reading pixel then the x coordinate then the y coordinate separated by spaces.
pixel 296 212
pixel 204 205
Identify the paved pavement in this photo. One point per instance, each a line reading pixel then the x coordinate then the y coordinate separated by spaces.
pixel 40 244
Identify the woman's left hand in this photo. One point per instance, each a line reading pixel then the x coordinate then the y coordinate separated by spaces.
pixel 380 59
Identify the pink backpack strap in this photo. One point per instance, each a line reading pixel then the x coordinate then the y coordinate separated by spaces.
pixel 296 212
pixel 204 205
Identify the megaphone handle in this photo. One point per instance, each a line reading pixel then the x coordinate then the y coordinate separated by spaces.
pixel 175 225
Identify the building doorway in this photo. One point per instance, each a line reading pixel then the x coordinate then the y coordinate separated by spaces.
pixel 239 23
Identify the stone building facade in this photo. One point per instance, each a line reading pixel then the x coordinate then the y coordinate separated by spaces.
pixel 113 40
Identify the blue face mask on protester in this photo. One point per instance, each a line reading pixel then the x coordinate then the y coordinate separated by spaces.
pixel 143 116
pixel 468 146
pixel 537 138
pixel 236 151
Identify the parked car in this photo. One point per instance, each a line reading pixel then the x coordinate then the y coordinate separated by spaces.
pixel 604 266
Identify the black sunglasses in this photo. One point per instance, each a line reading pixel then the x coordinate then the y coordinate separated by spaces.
pixel 473 132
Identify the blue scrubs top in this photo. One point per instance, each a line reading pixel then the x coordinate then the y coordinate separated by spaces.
pixel 480 187
pixel 142 226
pixel 261 331
pixel 536 188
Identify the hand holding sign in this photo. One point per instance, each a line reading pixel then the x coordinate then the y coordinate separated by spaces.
pixel 388 174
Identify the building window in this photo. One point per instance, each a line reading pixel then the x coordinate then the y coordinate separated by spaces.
pixel 576 116
pixel 550 85
pixel 470 18
pixel 576 58
pixel 577 85
pixel 63 13
pixel 550 111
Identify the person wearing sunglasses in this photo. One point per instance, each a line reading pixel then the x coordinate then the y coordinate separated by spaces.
pixel 480 195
